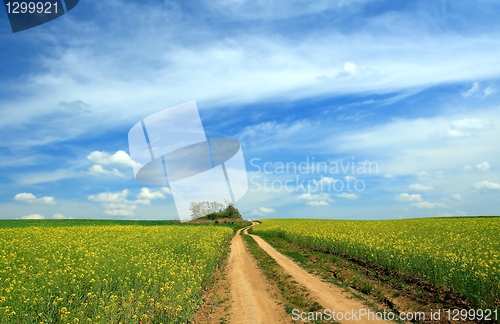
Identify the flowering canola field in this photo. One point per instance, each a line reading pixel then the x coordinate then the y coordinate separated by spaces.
pixel 106 274
pixel 460 253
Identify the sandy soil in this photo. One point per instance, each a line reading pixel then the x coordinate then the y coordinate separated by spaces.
pixel 251 296
pixel 328 296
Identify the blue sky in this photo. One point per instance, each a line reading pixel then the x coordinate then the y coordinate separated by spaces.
pixel 411 87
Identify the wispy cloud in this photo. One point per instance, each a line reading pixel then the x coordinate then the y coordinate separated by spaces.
pixel 98 170
pixel 420 187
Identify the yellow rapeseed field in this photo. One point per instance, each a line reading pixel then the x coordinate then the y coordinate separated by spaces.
pixel 461 253
pixel 106 274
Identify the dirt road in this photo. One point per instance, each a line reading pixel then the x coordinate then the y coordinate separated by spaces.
pixel 251 298
pixel 328 296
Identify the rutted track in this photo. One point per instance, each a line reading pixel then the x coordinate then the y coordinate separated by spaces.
pixel 251 300
pixel 330 297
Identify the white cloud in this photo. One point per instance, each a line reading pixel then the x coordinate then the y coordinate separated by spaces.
pixel 420 187
pixel 288 67
pixel 117 204
pixel 266 210
pixel 110 197
pixel 487 185
pixel 457 197
pixel 476 91
pixel 472 91
pixel 30 198
pixel 428 205
pixel 321 199
pixel 167 190
pixel 471 124
pixel 60 216
pixel 318 203
pixel 120 158
pixel 25 197
pixel 150 195
pixel 47 200
pixel 327 180
pixel 389 176
pixel 119 212
pixel 467 168
pixel 422 174
pixel 348 195
pixel 489 91
pixel 405 197
pixel 349 68
pixel 97 170
pixel 262 211
pixel 467 127
pixel 453 133
pixel 484 166
pixel 308 196
pixel 349 178
pixel 28 178
pixel 33 216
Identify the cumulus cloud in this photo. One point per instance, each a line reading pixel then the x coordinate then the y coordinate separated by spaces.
pixel 327 180
pixel 484 166
pixel 471 124
pixel 457 197
pixel 75 105
pixel 348 195
pixel 33 216
pixel 474 90
pixel 150 195
pixel 420 187
pixel 60 216
pixel 486 185
pixel 266 210
pixel 308 196
pixel 321 199
pixel 417 201
pixel 318 203
pixel 405 197
pixel 467 168
pixel 98 170
pixel 110 197
pixel 117 204
pixel 167 190
pixel 120 158
pixel 30 198
pixel 454 133
pixel 121 212
pixel 422 174
pixel 348 68
pixel 489 91
pixel 428 205
pixel 262 211
pixel 467 127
